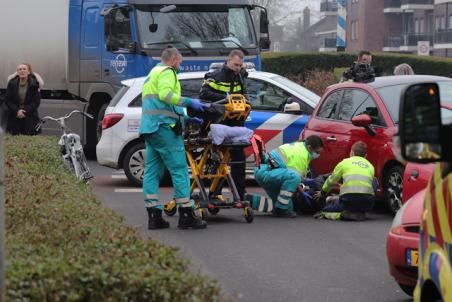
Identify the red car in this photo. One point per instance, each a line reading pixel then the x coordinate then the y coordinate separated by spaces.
pixel 402 243
pixel 403 238
pixel 350 111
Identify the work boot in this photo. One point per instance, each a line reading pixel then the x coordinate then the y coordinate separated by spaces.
pixel 189 219
pixel 156 220
pixel 277 212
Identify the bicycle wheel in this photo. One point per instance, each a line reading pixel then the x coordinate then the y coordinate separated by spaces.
pixel 81 167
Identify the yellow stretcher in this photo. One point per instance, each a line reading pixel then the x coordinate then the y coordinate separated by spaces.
pixel 209 162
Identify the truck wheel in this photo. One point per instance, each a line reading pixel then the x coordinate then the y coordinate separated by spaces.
pixel 392 185
pixel 133 164
pixel 100 117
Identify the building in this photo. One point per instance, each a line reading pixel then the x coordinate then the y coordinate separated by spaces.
pixel 442 34
pixel 398 25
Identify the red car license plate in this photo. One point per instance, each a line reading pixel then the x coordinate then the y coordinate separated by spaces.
pixel 412 257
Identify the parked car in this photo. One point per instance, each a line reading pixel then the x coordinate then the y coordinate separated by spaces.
pixel 349 112
pixel 402 243
pixel 425 138
pixel 273 116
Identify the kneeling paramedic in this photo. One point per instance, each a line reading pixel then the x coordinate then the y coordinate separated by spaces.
pixel 356 195
pixel 161 127
pixel 285 169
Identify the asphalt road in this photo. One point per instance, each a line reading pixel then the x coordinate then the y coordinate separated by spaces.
pixel 271 259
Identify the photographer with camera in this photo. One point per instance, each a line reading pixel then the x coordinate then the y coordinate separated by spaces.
pixel 361 70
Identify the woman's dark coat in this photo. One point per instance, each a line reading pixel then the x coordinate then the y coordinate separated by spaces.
pixel 32 101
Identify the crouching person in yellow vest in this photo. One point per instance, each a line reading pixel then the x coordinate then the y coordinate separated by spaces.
pixel 356 195
pixel 162 123
pixel 285 168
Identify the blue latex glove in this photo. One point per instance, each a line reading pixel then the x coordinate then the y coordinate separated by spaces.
pixel 195 120
pixel 310 182
pixel 197 105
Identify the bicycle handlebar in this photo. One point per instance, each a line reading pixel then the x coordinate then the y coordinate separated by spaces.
pixel 60 119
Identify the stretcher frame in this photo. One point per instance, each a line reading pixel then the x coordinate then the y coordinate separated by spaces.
pixel 235 108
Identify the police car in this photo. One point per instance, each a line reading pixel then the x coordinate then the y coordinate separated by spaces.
pixel 281 109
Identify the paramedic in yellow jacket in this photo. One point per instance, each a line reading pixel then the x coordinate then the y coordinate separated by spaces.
pixel 161 127
pixel 358 184
pixel 285 169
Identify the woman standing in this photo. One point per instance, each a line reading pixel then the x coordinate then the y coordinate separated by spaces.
pixel 23 99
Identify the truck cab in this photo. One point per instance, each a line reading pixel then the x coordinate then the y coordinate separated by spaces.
pixel 424 138
pixel 114 40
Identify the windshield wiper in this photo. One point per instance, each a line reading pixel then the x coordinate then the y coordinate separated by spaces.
pixel 223 41
pixel 174 42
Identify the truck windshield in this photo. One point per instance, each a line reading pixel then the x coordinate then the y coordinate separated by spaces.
pixel 212 27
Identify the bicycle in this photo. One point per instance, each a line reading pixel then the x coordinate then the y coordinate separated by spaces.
pixel 71 147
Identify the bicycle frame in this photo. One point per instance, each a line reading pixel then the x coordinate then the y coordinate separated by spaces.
pixel 71 147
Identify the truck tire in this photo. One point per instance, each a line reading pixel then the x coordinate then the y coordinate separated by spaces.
pixel 133 164
pixel 392 185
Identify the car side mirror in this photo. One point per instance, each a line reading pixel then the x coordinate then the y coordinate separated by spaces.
pixel 364 120
pixel 264 43
pixel 292 106
pixel 263 22
pixel 420 123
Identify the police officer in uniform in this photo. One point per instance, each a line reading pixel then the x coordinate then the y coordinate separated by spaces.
pixel 357 191
pixel 217 85
pixel 161 127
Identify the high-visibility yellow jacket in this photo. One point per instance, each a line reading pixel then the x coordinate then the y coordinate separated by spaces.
pixel 162 101
pixel 293 156
pixel 357 175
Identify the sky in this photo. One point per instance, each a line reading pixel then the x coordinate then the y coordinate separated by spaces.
pixel 296 7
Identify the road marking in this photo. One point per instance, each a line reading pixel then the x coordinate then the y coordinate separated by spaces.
pixel 129 190
pixel 119 176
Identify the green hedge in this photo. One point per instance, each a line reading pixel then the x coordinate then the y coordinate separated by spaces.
pixel 292 64
pixel 63 245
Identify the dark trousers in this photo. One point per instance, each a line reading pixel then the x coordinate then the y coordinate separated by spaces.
pixel 350 202
pixel 238 170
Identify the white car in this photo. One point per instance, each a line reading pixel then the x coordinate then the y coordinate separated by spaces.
pixel 280 110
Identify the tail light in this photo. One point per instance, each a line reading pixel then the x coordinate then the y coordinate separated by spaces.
pixel 111 120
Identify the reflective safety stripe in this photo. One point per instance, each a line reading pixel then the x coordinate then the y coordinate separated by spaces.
pixel 224 87
pixel 357 177
pixel 154 202
pixel 286 194
pixel 168 97
pixel 161 112
pixel 262 203
pixel 281 155
pixel 182 200
pixel 151 96
pixel 269 205
pixel 188 204
pixel 356 189
pixel 185 202
pixel 152 196
pixel 283 200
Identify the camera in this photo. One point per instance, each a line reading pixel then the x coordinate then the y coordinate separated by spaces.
pixel 360 72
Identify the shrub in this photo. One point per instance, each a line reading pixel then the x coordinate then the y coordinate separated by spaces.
pixel 63 245
pixel 298 64
pixel 316 80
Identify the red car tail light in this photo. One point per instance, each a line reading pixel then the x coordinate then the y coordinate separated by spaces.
pixel 111 120
pixel 397 230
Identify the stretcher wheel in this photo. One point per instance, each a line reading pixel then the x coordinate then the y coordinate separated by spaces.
pixel 248 214
pixel 203 214
pixel 214 211
pixel 170 208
